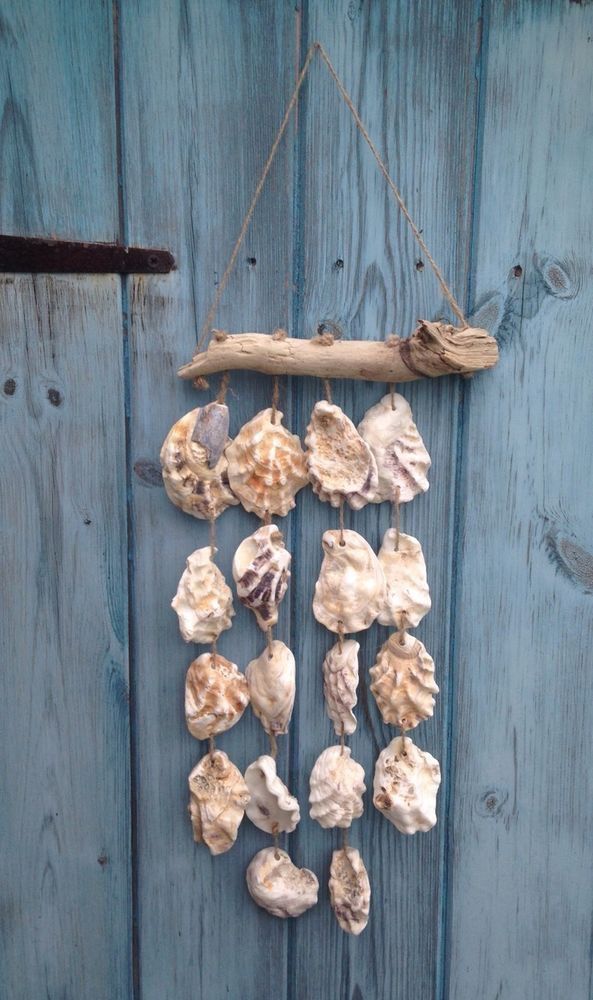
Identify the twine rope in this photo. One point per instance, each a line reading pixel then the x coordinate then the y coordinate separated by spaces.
pixel 318 47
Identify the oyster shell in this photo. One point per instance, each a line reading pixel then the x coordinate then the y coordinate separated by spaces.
pixel 407 598
pixel 278 886
pixel 340 680
pixel 261 572
pixel 340 464
pixel 405 787
pixel 349 890
pixel 216 695
pixel 351 584
pixel 203 602
pixel 402 460
pixel 336 788
pixel 271 807
pixel 403 682
pixel 271 682
pixel 194 467
pixel 266 465
pixel 217 799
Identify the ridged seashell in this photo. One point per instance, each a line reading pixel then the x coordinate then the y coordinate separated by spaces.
pixel 407 597
pixel 217 799
pixel 203 602
pixel 349 890
pixel 261 572
pixel 266 465
pixel 271 807
pixel 340 464
pixel 351 584
pixel 272 686
pixel 405 788
pixel 193 443
pixel 403 682
pixel 278 886
pixel 216 695
pixel 336 788
pixel 340 680
pixel 402 460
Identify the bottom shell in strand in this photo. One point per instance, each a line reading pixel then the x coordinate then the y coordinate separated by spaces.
pixel 405 788
pixel 217 799
pixel 280 887
pixel 349 890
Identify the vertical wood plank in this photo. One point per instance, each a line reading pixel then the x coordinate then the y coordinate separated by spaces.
pixel 64 864
pixel 64 779
pixel 520 895
pixel 197 129
pixel 409 69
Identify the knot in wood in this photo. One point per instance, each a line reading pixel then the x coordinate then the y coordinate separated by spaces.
pixel 279 334
pixel 220 336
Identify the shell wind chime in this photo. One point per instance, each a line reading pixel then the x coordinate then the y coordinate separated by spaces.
pixel 383 460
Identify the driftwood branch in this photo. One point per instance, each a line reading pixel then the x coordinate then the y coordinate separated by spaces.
pixel 433 349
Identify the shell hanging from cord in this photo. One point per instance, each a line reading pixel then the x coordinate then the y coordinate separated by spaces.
pixel 261 572
pixel 266 465
pixel 349 890
pixel 340 680
pixel 336 788
pixel 195 470
pixel 403 682
pixel 271 807
pixel 407 597
pixel 278 886
pixel 271 680
pixel 350 591
pixel 402 459
pixel 218 797
pixel 216 695
pixel 405 786
pixel 340 464
pixel 203 602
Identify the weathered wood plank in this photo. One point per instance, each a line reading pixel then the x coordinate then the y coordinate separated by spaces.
pixel 520 893
pixel 64 857
pixel 409 69
pixel 203 117
pixel 64 781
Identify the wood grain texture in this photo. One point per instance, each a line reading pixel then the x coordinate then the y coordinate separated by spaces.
pixel 204 118
pixel 520 895
pixel 407 67
pixel 64 780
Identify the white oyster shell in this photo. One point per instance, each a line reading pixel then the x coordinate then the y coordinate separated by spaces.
pixel 278 886
pixel 402 460
pixel 194 467
pixel 403 682
pixel 217 799
pixel 266 465
pixel 203 602
pixel 340 680
pixel 216 695
pixel 336 788
pixel 340 464
pixel 349 890
pixel 261 572
pixel 271 680
pixel 407 597
pixel 405 787
pixel 271 807
pixel 351 585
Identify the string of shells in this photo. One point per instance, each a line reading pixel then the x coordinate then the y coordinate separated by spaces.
pixel 263 469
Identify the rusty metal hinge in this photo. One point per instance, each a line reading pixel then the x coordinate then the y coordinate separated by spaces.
pixel 34 255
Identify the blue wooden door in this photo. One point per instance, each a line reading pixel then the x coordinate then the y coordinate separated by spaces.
pixel 149 121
